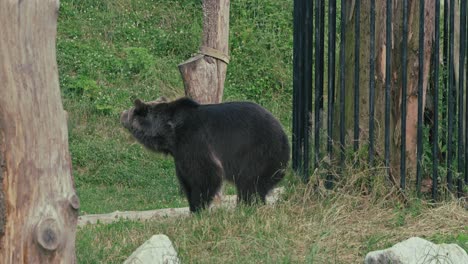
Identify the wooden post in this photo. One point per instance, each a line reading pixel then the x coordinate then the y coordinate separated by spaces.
pixel 204 74
pixel 38 203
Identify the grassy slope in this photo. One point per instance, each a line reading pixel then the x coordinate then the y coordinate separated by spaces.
pixel 114 50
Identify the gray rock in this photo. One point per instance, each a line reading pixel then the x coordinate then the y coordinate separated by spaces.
pixel 418 251
pixel 157 250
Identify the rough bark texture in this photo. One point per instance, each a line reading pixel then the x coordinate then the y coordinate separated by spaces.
pixel 395 82
pixel 204 75
pixel 38 204
pixel 413 76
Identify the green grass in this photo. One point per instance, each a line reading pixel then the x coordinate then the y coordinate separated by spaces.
pixel 110 52
pixel 460 238
pixel 306 227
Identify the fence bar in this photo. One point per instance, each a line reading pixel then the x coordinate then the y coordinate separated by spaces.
pixel 342 82
pixel 357 54
pixel 461 109
pixel 435 135
pixel 322 56
pixel 446 31
pixel 387 84
pixel 331 81
pixel 295 85
pixel 460 191
pixel 404 94
pixel 298 73
pixel 445 58
pixel 466 111
pixel 450 98
pixel 319 74
pixel 420 95
pixel 308 42
pixel 318 69
pixel 372 83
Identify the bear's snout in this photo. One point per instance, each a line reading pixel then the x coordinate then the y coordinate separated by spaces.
pixel 124 118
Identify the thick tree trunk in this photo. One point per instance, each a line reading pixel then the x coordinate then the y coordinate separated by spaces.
pixel 413 67
pixel 38 204
pixel 204 74
pixel 395 82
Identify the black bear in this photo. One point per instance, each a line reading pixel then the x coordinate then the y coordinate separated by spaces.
pixel 237 141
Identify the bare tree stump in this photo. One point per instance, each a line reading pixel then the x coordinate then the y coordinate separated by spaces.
pixel 204 74
pixel 38 204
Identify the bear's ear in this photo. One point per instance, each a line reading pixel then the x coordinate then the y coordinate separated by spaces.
pixel 140 107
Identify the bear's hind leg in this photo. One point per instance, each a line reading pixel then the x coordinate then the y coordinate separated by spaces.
pixel 270 178
pixel 251 190
pixel 247 193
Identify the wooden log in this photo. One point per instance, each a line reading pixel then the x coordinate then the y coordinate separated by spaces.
pixel 38 204
pixel 228 201
pixel 204 74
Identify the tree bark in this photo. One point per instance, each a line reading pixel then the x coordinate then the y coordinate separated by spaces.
pixel 38 203
pixel 395 82
pixel 204 74
pixel 413 76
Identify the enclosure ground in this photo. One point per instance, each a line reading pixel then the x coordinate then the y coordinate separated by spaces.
pixel 307 227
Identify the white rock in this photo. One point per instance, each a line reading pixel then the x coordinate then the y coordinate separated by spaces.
pixel 418 251
pixel 157 250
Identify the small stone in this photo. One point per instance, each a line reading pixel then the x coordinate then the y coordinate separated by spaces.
pixel 158 249
pixel 417 250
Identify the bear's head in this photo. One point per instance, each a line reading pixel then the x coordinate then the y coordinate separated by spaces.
pixel 150 123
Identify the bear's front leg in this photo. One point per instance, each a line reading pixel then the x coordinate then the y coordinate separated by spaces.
pixel 198 200
pixel 201 182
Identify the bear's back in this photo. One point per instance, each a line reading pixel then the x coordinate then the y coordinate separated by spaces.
pixel 240 128
pixel 245 119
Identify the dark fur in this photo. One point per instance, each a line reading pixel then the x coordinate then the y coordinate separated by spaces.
pixel 238 141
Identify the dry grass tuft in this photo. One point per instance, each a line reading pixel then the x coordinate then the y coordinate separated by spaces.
pixel 366 212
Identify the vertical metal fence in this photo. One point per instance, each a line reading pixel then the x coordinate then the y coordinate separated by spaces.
pixel 321 74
